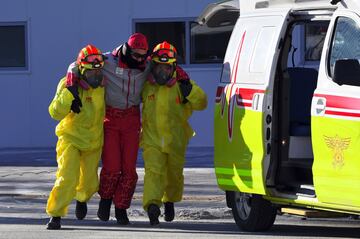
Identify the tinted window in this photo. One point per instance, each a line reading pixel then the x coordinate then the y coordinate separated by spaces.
pixel 12 46
pixel 172 32
pixel 345 43
pixel 208 44
pixel 314 40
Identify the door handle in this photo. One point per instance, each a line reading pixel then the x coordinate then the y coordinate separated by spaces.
pixel 255 101
pixel 320 106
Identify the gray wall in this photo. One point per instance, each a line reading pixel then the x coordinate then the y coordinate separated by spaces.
pixel 57 30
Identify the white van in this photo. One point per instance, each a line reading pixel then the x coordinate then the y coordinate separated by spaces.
pixel 287 111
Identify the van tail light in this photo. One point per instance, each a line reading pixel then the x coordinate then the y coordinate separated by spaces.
pixel 219 92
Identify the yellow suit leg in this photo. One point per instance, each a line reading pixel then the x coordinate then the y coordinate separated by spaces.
pixel 67 176
pixel 88 181
pixel 155 175
pixel 174 179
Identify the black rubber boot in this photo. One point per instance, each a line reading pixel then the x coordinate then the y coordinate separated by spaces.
pixel 104 209
pixel 169 211
pixel 80 210
pixel 153 213
pixel 54 223
pixel 121 216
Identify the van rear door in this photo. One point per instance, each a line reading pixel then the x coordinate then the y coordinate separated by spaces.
pixel 335 121
pixel 243 101
pixel 220 14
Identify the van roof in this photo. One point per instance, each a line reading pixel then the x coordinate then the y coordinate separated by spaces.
pixel 252 5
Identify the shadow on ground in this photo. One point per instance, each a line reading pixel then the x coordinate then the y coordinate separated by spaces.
pixel 191 227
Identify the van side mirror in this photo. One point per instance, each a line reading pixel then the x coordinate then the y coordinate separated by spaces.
pixel 347 72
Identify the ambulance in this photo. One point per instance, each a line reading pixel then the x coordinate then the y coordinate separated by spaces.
pixel 287 110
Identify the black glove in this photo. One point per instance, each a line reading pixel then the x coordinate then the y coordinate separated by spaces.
pixel 76 103
pixel 185 88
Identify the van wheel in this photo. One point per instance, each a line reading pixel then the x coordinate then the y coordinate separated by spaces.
pixel 251 212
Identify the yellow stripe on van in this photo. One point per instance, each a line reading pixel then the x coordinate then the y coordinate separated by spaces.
pixel 242 172
pixel 228 182
pixel 241 180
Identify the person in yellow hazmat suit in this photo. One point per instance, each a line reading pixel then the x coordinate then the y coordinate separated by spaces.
pixel 80 108
pixel 169 98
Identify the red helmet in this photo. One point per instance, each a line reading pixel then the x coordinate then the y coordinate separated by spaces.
pixel 164 53
pixel 138 41
pixel 90 57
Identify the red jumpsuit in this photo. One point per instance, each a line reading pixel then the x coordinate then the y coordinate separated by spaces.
pixel 118 176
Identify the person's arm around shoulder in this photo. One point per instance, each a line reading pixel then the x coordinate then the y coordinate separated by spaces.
pixel 61 104
pixel 197 97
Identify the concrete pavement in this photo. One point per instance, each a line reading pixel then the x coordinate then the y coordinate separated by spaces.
pixel 196 157
pixel 27 176
pixel 201 214
pixel 24 191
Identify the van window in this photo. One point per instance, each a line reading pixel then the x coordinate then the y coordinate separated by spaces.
pixel 314 40
pixel 307 43
pixel 345 43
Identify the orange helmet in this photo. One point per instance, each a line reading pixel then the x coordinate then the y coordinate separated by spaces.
pixel 90 57
pixel 164 53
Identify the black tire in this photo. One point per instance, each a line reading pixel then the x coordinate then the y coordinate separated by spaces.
pixel 251 212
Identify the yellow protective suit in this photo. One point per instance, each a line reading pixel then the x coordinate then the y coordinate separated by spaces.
pixel 165 135
pixel 78 148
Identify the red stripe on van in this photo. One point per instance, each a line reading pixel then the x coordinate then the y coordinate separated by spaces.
pixel 339 113
pixel 240 93
pixel 341 102
pixel 234 76
pixel 247 94
pixel 243 104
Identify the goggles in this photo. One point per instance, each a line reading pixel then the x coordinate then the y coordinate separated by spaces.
pixel 94 57
pixel 138 56
pixel 95 60
pixel 165 55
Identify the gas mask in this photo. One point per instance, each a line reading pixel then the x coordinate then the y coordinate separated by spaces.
pixel 162 73
pixel 93 77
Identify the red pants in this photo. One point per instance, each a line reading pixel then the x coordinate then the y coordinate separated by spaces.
pixel 118 175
